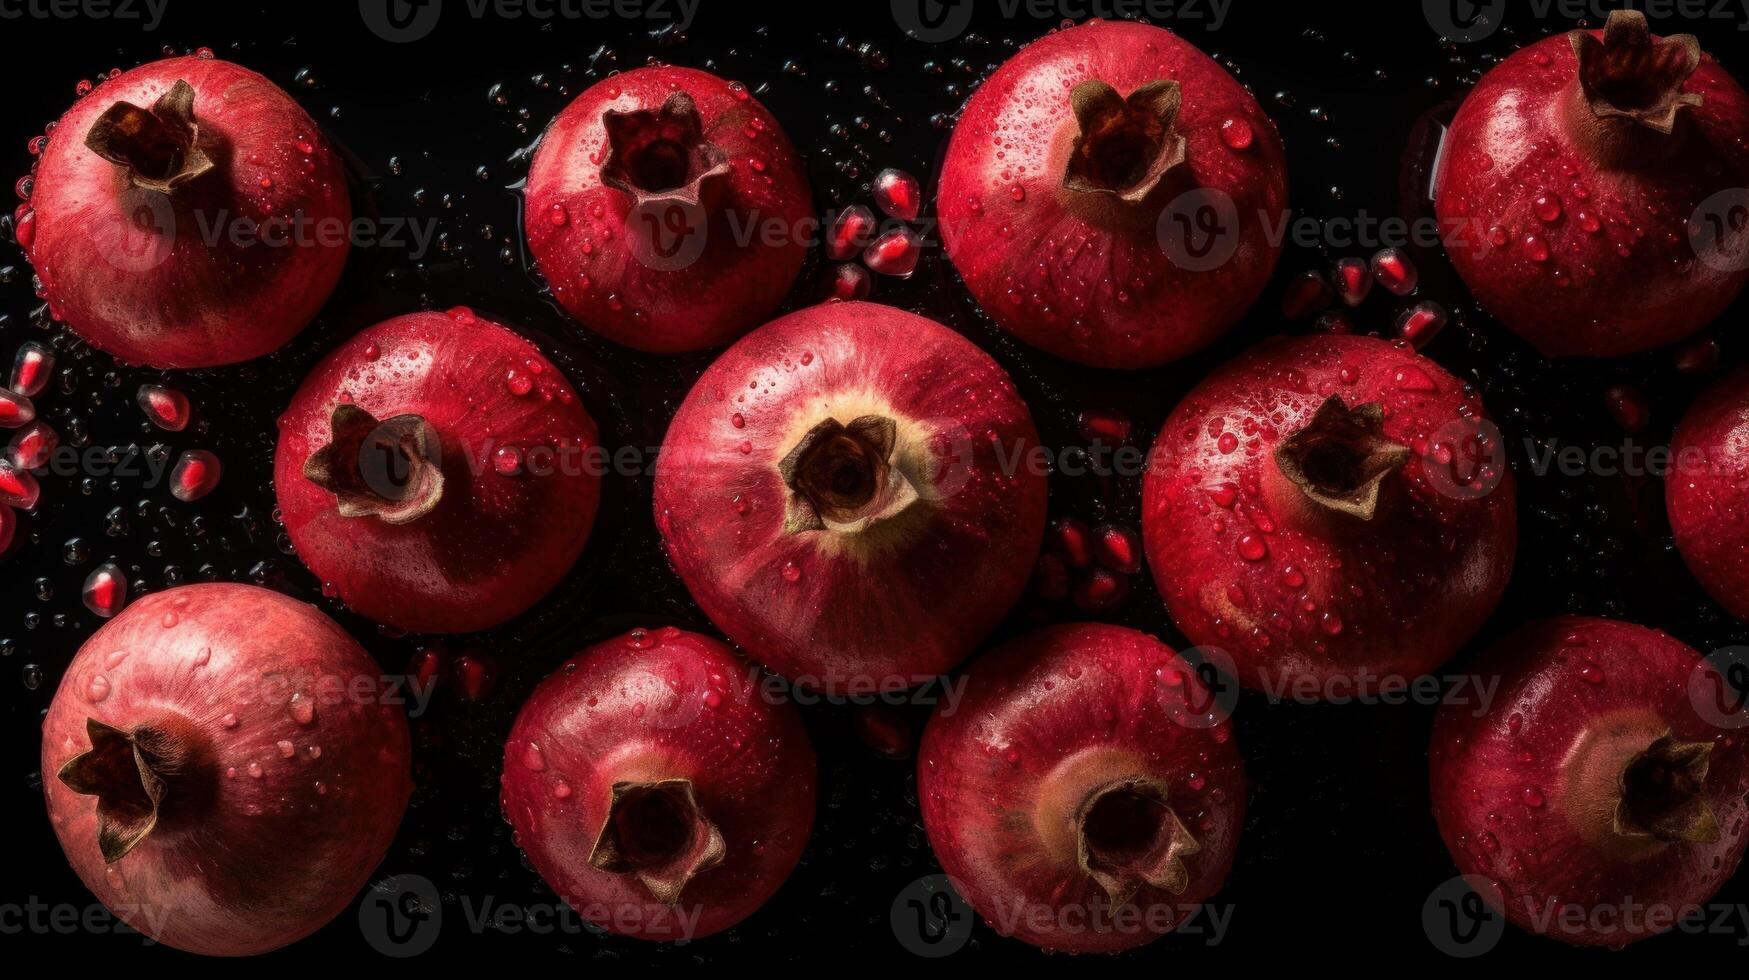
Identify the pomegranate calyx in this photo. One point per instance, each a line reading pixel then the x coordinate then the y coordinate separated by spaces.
pixel 658 833
pixel 1126 146
pixel 160 146
pixel 1341 458
pixel 1127 836
pixel 389 469
pixel 842 477
pixel 1661 794
pixel 1628 74
pixel 662 155
pixel 122 771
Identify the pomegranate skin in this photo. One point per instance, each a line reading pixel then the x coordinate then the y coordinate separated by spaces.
pixel 589 224
pixel 1309 598
pixel 888 591
pixel 1578 247
pixel 653 707
pixel 520 480
pixel 1081 274
pixel 188 278
pixel 1707 492
pixel 254 846
pixel 1525 791
pixel 1049 724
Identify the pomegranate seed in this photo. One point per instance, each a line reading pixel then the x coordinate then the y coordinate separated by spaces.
pixel 15 410
pixel 1628 407
pixel 32 446
pixel 30 369
pixel 1420 323
pixel 1698 357
pixel 1118 548
pixel 850 232
pixel 1105 425
pixel 1071 540
pixel 17 487
pixel 1050 578
pixel 195 475
pixel 895 253
pixel 8 528
pixel 1308 293
pixel 1100 589
pixel 883 730
pixel 426 669
pixel 106 590
pixel 1353 280
pixel 849 282
pixel 475 676
pixel 898 194
pixel 1394 271
pixel 167 408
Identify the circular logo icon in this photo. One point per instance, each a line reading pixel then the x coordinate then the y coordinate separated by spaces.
pixel 385 459
pixel 930 919
pixel 1464 20
pixel 1465 458
pixel 145 236
pixel 950 446
pixel 1718 687
pixel 400 21
pixel 401 916
pixel 1212 693
pixel 1462 916
pixel 1718 230
pixel 933 21
pixel 1199 229
pixel 666 234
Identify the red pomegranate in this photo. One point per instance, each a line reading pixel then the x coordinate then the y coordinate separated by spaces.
pixel 187 213
pixel 852 494
pixel 1080 795
pixel 667 209
pixel 1078 191
pixel 1582 171
pixel 655 788
pixel 1590 788
pixel 437 473
pixel 1707 491
pixel 1329 510
pixel 224 767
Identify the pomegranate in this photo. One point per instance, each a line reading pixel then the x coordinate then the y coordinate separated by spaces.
pixel 437 473
pixel 667 209
pixel 1076 193
pixel 224 767
pixel 851 493
pixel 187 213
pixel 1707 492
pixel 1590 788
pixel 655 789
pixel 1080 796
pixel 1330 510
pixel 1582 167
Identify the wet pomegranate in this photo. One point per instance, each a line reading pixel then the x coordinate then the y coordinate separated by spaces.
pixel 1707 492
pixel 224 767
pixel 667 209
pixel 1080 795
pixel 851 493
pixel 1581 170
pixel 187 213
pixel 1077 193
pixel 1329 510
pixel 437 473
pixel 1591 788
pixel 654 787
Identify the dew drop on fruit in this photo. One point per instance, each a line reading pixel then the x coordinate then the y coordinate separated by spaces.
pixel 286 748
pixel 302 709
pixel 533 759
pixel 31 369
pixel 1252 547
pixel 195 476
pixel 898 194
pixel 1236 133
pixel 791 572
pixel 1547 207
pixel 97 689
pixel 106 590
pixel 1535 248
pixel 1412 378
pixel 167 408
pixel 1531 797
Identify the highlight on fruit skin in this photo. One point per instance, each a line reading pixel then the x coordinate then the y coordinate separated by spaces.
pixel 224 768
pixel 1602 788
pixel 1085 793
pixel 1593 177
pixel 188 213
pixel 656 788
pixel 852 494
pixel 1706 491
pixel 1077 189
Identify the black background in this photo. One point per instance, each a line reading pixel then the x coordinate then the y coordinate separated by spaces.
pixel 1339 851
